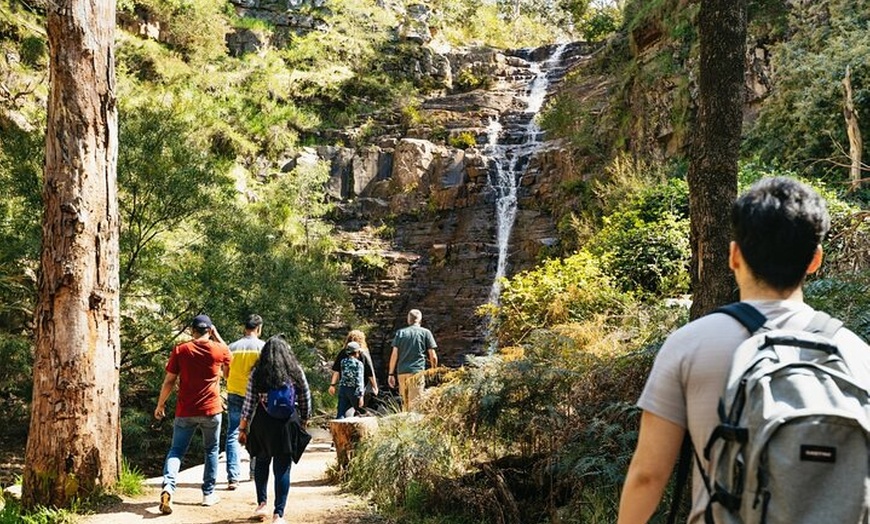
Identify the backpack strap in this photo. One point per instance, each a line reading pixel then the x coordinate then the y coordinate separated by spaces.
pixel 824 324
pixel 751 318
pixel 688 456
pixel 684 465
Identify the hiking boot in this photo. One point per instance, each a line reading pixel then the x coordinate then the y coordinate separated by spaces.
pixel 166 503
pixel 211 499
pixel 261 512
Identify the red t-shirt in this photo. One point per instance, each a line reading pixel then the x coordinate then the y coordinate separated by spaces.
pixel 198 364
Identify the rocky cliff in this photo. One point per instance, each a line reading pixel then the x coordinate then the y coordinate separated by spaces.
pixel 419 217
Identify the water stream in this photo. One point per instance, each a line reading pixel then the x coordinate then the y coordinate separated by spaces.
pixel 510 147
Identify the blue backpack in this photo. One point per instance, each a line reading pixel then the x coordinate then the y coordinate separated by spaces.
pixel 281 401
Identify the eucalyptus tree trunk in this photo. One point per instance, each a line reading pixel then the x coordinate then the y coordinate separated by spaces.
pixel 712 173
pixel 74 443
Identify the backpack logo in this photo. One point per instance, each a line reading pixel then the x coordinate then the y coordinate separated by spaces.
pixel 819 454
pixel 281 401
pixel 791 405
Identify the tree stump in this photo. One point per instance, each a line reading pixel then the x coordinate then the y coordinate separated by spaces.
pixel 346 432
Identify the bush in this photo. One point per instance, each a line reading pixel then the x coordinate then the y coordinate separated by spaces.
pixel 463 140
pixel 558 291
pixel 402 461
pixel 649 256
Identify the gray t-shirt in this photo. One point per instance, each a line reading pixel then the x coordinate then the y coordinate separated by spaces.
pixel 689 373
pixel 413 342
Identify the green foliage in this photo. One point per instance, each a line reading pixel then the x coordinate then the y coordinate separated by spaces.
pixel 463 140
pixel 131 481
pixel 196 28
pixel 649 255
pixel 402 461
pixel 595 19
pixel 557 291
pixel 16 383
pixel 800 125
pixel 34 51
pixel 468 80
pixel 12 513
pixel 845 296
pixel 553 417
pixel 496 24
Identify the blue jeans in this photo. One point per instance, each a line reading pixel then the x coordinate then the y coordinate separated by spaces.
pixel 348 397
pixel 234 416
pixel 281 469
pixel 182 432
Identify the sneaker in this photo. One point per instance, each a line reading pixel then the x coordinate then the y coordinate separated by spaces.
pixel 166 503
pixel 232 485
pixel 278 520
pixel 211 499
pixel 261 512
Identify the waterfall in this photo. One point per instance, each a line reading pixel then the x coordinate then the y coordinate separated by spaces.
pixel 510 156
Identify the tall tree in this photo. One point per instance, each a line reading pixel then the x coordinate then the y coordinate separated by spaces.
pixel 712 173
pixel 74 443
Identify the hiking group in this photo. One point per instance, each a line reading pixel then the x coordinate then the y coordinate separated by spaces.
pixel 268 403
pixel 767 398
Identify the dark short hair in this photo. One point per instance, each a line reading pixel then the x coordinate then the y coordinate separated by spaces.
pixel 253 322
pixel 778 224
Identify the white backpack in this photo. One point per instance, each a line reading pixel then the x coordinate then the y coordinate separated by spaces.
pixel 794 434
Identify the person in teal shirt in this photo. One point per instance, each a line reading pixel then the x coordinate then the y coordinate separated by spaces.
pixel 411 347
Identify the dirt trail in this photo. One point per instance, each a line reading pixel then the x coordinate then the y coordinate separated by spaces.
pixel 312 499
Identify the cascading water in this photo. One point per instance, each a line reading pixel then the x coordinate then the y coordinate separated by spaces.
pixel 511 156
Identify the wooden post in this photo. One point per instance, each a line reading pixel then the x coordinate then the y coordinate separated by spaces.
pixel 346 432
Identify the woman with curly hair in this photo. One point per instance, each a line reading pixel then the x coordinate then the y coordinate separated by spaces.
pixel 270 439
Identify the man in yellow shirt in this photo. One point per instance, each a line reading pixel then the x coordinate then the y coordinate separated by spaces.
pixel 246 352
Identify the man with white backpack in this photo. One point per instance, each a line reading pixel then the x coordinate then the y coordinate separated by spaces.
pixel 779 420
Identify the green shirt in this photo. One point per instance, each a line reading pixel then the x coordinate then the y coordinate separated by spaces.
pixel 413 342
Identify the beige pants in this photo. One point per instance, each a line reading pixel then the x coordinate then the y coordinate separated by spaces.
pixel 411 386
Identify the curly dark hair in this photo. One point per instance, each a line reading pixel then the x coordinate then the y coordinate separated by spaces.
pixel 277 365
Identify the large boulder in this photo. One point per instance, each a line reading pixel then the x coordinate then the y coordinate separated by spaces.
pixel 412 163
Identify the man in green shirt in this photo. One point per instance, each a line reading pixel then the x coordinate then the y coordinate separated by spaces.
pixel 411 346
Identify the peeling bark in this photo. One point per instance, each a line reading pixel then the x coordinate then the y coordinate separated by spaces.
pixel 74 443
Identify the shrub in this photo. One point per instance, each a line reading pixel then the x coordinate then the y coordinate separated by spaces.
pixel 402 461
pixel 558 291
pixel 650 256
pixel 468 80
pixel 463 140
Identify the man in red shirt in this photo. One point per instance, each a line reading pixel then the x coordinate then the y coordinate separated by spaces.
pixel 197 366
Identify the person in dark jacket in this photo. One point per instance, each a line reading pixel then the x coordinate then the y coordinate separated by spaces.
pixel 270 439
